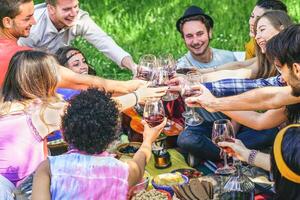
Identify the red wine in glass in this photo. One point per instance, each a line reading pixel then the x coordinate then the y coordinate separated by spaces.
pixel 189 93
pixel 144 73
pixel 154 120
pixel 171 74
pixel 221 138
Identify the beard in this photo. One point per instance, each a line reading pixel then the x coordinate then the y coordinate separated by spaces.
pixel 296 90
pixel 204 48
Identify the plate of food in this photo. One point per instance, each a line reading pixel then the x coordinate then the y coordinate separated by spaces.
pixel 190 173
pixel 152 195
pixel 167 180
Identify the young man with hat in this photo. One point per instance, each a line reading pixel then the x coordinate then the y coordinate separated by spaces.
pixel 58 22
pixel 196 30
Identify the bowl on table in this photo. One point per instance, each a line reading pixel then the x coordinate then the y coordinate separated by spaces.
pixel 127 149
pixel 167 180
pixel 152 194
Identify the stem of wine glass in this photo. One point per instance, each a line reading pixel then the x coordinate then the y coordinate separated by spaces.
pixel 193 113
pixel 225 160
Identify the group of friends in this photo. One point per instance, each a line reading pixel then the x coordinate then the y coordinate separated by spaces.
pixel 39 71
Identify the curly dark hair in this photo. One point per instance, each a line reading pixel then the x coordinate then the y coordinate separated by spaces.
pixel 90 121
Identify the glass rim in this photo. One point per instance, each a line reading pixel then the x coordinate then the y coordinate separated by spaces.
pixel 222 121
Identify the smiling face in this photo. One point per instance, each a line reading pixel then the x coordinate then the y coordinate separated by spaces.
pixel 256 12
pixel 196 37
pixel 77 62
pixel 64 13
pixel 264 32
pixel 20 25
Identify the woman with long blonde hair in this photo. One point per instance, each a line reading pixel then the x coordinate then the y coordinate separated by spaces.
pixel 30 109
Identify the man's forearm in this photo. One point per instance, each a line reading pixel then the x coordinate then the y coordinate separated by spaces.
pixel 258 99
pixel 128 63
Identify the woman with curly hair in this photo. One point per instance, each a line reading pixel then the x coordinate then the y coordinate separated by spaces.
pixel 87 171
pixel 30 109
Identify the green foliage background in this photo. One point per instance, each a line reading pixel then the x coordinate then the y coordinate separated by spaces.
pixel 148 26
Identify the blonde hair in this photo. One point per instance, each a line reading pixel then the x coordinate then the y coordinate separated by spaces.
pixel 31 76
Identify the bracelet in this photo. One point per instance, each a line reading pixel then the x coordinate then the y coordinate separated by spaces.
pixel 136 98
pixel 252 156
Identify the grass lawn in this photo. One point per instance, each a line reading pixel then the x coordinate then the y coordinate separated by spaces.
pixel 148 26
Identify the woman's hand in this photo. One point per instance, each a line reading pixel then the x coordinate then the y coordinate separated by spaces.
pixel 143 93
pixel 133 85
pixel 150 134
pixel 240 151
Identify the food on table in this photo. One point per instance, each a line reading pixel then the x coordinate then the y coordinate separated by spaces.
pixel 129 149
pixel 190 173
pixel 169 179
pixel 150 195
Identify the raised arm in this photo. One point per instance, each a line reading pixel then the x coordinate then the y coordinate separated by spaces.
pixel 250 63
pixel 138 96
pixel 143 155
pixel 70 79
pixel 258 99
pixel 259 121
pixel 223 74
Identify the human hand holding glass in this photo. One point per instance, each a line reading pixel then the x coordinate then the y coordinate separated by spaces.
pixel 237 149
pixel 145 67
pixel 223 131
pixel 191 118
pixel 154 112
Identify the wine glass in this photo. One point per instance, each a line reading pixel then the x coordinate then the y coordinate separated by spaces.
pixel 194 119
pixel 145 67
pixel 154 112
pixel 223 131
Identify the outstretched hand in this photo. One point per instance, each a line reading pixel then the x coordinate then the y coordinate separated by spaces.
pixel 205 100
pixel 144 92
pixel 152 133
pixel 133 85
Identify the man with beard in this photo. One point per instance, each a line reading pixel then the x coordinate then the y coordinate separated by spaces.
pixel 61 21
pixel 196 30
pixel 284 51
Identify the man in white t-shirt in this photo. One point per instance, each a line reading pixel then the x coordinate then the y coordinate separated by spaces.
pixel 58 22
pixel 196 30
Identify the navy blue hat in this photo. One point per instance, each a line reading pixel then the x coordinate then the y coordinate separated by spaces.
pixel 194 11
